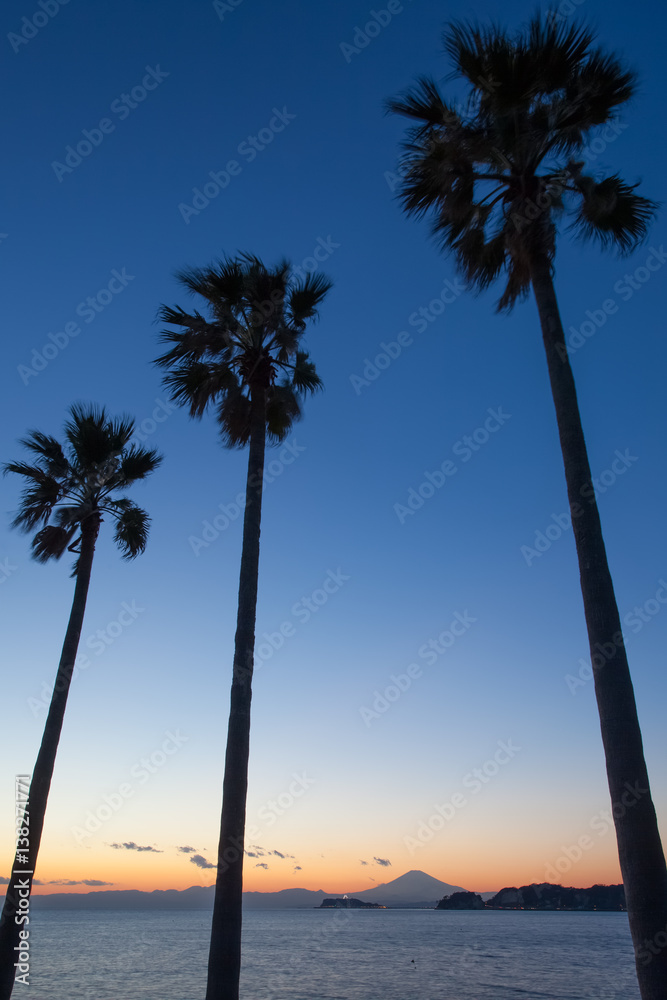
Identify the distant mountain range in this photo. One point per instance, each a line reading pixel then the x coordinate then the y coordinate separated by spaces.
pixel 414 889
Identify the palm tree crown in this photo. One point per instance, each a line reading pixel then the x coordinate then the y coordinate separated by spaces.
pixel 72 487
pixel 498 172
pixel 249 343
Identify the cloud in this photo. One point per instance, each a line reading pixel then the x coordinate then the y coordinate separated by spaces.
pixel 131 846
pixel 277 854
pixel 261 865
pixel 3 880
pixel 363 862
pixel 72 881
pixel 201 862
pixel 297 868
pixel 382 861
pixel 186 850
pixel 254 854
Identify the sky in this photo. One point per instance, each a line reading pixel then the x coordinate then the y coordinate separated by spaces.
pixel 422 698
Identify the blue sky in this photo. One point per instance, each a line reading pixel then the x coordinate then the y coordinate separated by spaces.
pixel 207 87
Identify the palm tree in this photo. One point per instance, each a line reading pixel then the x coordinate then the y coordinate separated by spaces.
pixel 245 360
pixel 68 490
pixel 495 177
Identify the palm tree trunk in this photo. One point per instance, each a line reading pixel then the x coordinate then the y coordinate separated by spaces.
pixel 640 850
pixel 224 964
pixel 16 903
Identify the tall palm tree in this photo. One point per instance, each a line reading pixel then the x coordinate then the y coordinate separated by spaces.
pixel 68 491
pixel 244 360
pixel 496 177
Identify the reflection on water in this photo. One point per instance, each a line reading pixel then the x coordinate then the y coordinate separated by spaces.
pixel 338 955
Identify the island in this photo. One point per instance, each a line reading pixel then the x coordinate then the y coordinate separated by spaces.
pixel 346 903
pixel 541 896
pixel 461 901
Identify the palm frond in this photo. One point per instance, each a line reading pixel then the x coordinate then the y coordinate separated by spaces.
pixel 136 463
pixel 425 103
pixel 304 376
pixel 52 542
pixel 37 501
pixel 94 437
pixel 306 296
pixel 49 449
pixel 197 384
pixel 131 534
pixel 611 213
pixel 282 410
pixel 492 180
pixel 69 492
pixel 234 418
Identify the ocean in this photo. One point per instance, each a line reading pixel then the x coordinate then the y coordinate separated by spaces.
pixel 336 955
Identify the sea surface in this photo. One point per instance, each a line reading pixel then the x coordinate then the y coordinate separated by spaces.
pixel 336 955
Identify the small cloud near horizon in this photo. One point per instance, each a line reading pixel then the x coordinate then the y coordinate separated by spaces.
pixel 79 881
pixel 3 880
pixel 201 862
pixel 186 850
pixel 363 862
pixel 131 846
pixel 262 864
pixel 297 868
pixel 385 862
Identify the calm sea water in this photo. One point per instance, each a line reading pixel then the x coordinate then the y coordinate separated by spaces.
pixel 337 955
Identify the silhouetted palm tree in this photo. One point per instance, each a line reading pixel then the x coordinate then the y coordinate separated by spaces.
pixel 496 177
pixel 69 490
pixel 245 360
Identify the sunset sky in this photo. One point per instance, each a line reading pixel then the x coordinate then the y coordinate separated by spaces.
pixel 424 645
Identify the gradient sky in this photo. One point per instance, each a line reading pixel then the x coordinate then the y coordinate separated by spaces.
pixel 331 784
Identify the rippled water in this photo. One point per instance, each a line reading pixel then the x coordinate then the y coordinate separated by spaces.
pixel 336 955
